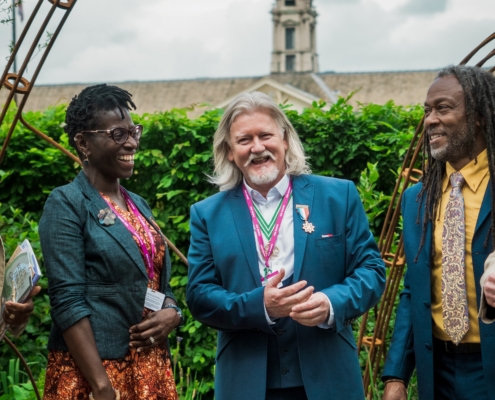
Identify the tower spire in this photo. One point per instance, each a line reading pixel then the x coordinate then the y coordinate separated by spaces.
pixel 294 37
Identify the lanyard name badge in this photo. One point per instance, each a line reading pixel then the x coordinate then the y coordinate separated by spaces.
pixel 267 251
pixel 152 297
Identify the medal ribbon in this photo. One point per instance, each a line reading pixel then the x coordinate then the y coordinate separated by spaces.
pixel 267 228
pixel 149 256
pixel 303 212
pixel 268 252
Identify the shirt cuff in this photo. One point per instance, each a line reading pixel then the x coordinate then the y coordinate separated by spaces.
pixel 331 319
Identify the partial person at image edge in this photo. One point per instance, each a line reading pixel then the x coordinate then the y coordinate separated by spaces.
pixel 448 234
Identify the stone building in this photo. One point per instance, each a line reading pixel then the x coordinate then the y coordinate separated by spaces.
pixel 294 37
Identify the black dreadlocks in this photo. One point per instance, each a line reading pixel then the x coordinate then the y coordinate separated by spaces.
pixel 83 111
pixel 479 98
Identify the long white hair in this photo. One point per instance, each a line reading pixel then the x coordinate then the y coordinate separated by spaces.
pixel 226 173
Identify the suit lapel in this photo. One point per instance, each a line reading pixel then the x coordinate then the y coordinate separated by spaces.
pixel 118 231
pixel 303 194
pixel 427 251
pixel 244 227
pixel 485 207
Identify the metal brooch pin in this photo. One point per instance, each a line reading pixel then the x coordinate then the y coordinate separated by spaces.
pixel 106 217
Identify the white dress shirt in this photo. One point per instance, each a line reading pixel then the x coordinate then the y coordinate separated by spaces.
pixel 285 240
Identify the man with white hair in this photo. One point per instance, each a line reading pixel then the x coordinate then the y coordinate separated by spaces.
pixel 281 262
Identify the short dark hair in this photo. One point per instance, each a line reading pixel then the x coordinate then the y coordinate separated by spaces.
pixel 84 109
pixel 479 97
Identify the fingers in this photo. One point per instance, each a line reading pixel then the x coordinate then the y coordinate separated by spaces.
pixel 489 290
pixel 153 330
pixel 279 302
pixel 313 312
pixel 143 345
pixel 147 339
pixel 34 291
pixel 275 281
pixel 144 325
pixel 17 313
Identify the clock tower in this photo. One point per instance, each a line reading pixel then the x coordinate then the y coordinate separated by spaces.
pixel 294 37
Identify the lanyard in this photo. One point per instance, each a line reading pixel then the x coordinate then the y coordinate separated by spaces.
pixel 267 228
pixel 267 252
pixel 149 257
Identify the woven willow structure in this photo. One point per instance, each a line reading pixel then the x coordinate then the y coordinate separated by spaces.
pixel 392 251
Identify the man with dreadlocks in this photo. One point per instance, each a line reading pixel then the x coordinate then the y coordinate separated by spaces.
pixel 447 237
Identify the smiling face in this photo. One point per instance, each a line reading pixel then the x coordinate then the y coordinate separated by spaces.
pixel 258 149
pixel 446 124
pixel 107 159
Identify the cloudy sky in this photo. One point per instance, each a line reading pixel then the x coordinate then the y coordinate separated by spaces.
pixel 136 40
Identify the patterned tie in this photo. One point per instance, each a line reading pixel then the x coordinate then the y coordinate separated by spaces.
pixel 454 298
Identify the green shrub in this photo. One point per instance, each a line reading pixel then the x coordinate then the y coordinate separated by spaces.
pixel 174 156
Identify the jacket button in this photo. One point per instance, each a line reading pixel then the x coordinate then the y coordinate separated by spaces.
pixel 283 350
pixel 426 304
pixel 428 346
pixel 280 331
pixel 284 371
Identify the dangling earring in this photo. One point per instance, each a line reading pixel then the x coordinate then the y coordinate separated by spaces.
pixel 85 161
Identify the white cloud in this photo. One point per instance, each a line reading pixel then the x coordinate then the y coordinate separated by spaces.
pixel 116 40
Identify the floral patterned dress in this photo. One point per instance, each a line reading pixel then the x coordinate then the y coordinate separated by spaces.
pixel 138 376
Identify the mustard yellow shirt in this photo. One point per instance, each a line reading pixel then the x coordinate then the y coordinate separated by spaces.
pixel 476 181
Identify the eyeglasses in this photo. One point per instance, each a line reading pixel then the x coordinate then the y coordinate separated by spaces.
pixel 121 135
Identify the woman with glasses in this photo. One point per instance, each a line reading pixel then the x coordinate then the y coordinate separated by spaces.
pixel 108 266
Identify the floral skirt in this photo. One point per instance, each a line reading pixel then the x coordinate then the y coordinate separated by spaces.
pixel 138 376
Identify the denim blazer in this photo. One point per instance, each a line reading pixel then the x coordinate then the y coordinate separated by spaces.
pixel 93 270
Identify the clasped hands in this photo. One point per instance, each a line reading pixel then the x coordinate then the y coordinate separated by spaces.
pixel 156 325
pixel 296 301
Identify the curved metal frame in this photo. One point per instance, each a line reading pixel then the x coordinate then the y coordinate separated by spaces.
pixel 26 366
pixel 22 86
pixel 395 260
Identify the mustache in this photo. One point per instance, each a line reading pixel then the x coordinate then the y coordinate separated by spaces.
pixel 263 154
pixel 433 131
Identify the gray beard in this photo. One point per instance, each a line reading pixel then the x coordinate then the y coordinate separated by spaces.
pixel 264 177
pixel 456 147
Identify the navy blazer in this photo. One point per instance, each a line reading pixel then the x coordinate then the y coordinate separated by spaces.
pixel 225 291
pixel 412 340
pixel 93 270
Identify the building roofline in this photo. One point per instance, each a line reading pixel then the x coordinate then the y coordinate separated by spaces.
pixel 199 79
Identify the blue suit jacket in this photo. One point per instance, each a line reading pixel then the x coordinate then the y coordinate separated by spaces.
pixel 225 292
pixel 411 344
pixel 93 270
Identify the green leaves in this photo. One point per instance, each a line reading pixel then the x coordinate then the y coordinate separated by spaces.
pixel 364 144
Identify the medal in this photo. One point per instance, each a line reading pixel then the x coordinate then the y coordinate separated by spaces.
pixel 303 212
pixel 308 227
pixel 275 251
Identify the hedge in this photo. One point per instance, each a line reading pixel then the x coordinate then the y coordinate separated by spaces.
pixel 364 144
